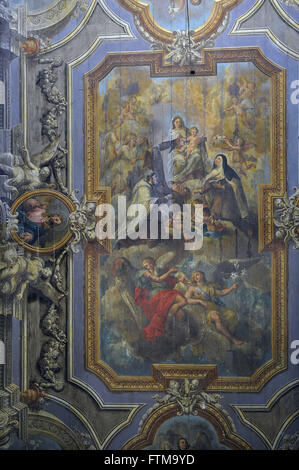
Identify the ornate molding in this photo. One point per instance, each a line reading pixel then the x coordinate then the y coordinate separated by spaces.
pixel 266 195
pixel 13 414
pixel 184 50
pixel 290 442
pixel 221 422
pixel 54 13
pixel 8 221
pixel 188 395
pixel 294 3
pixel 51 350
pixel 67 201
pixel 8 424
pixel 48 425
pixel 85 440
pixel 144 18
pixel 286 219
pixel 46 81
pixel 49 365
pixel 82 223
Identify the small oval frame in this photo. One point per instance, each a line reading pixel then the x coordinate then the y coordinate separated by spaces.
pixel 42 192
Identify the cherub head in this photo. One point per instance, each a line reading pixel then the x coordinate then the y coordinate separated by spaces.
pixel 131 139
pixel 181 277
pixel 194 384
pixel 149 264
pixel 174 385
pixel 44 173
pixel 198 276
pixel 46 273
pixel 193 131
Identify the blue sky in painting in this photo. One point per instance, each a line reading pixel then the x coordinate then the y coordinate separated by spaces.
pixel 291 10
pixel 200 434
pixel 198 14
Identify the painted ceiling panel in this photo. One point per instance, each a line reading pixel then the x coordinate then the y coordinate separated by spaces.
pixel 149 225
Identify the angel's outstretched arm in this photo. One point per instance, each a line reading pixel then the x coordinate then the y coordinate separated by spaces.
pixel 160 278
pixel 226 291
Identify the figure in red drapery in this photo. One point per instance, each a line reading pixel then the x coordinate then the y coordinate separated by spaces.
pixel 158 298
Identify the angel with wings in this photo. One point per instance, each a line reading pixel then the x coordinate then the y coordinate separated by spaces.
pixel 203 293
pixel 156 294
pixel 153 294
pixel 240 160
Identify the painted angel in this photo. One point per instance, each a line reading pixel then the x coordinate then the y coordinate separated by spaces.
pixel 150 292
pixel 241 161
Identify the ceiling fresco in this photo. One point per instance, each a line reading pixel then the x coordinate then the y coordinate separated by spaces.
pixel 149 226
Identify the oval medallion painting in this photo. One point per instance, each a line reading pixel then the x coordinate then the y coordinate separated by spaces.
pixel 43 220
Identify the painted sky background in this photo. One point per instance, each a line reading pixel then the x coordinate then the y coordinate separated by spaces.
pixel 198 14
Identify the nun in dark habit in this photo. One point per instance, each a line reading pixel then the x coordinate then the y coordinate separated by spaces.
pixel 225 193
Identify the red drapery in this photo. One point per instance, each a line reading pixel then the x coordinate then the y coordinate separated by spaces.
pixel 156 308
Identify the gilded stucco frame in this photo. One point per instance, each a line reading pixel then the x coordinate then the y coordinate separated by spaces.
pixel 43 192
pixel 156 31
pixel 267 242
